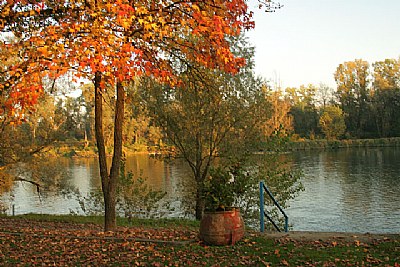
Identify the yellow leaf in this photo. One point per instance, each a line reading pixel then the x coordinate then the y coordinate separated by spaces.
pixel 196 8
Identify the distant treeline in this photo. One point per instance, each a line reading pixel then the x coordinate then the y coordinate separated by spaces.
pixel 365 105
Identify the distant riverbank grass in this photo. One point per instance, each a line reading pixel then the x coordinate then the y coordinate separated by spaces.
pixel 31 240
pixel 347 143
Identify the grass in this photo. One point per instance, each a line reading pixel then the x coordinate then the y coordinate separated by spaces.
pixel 133 222
pixel 28 240
pixel 262 251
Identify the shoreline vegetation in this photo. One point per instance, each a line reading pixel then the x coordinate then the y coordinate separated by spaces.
pixel 344 143
pixel 80 149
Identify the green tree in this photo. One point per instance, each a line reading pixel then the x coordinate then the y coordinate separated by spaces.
pixel 332 122
pixel 353 94
pixel 140 131
pixel 303 110
pixel 212 114
pixel 386 97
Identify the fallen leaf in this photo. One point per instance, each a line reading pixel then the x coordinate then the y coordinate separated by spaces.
pixel 284 262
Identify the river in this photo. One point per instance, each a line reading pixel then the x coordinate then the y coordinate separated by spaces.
pixel 346 190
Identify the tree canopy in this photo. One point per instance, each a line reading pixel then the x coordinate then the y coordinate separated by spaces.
pixel 112 43
pixel 120 39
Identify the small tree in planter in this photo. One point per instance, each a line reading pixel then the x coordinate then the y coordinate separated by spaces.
pixel 222 223
pixel 224 186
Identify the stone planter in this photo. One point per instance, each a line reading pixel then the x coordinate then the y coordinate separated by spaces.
pixel 222 227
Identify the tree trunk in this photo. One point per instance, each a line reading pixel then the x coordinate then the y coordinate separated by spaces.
pixel 98 126
pixel 200 175
pixel 200 202
pixel 110 221
pixel 86 138
pixel 109 182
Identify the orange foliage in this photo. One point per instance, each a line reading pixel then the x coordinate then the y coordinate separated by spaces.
pixel 121 39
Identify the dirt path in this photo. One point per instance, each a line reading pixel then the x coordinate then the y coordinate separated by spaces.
pixel 332 236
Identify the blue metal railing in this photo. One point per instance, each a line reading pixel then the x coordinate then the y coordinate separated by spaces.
pixel 264 188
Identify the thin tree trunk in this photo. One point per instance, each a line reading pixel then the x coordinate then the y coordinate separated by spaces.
pixel 98 126
pixel 109 182
pixel 110 220
pixel 200 202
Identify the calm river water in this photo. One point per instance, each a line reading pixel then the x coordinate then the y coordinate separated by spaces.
pixel 349 190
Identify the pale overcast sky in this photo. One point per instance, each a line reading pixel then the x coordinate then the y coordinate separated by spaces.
pixel 306 40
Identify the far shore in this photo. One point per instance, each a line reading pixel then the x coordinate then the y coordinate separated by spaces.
pixel 80 149
pixel 307 144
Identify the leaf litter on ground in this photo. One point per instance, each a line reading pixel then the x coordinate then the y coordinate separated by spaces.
pixel 43 243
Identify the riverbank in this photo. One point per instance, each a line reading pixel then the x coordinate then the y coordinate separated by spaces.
pixel 39 242
pixel 322 144
pixel 81 149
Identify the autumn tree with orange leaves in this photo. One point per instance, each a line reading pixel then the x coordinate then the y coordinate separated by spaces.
pixel 111 43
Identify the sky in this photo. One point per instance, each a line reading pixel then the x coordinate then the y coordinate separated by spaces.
pixel 305 41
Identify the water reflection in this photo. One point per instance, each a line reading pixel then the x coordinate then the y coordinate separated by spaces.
pixel 355 190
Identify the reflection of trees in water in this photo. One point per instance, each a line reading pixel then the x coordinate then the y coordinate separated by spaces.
pixel 360 185
pixel 170 176
pixel 157 174
pixel 40 177
pixel 173 177
pixel 150 168
pixel 371 174
pixel 135 197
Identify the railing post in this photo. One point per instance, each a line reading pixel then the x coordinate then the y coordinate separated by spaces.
pixel 286 224
pixel 262 225
pixel 263 188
